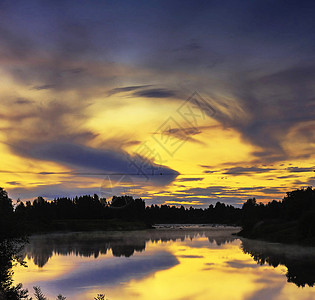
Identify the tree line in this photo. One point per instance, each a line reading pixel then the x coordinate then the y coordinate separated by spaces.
pixel 41 213
pixel 297 208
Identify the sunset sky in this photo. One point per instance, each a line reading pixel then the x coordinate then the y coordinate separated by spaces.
pixel 177 102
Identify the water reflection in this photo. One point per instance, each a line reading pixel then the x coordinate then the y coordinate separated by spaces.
pixel 299 261
pixel 170 263
pixel 41 248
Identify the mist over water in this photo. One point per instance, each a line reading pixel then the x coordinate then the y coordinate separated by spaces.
pixel 170 262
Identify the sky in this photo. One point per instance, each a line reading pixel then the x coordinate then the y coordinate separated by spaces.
pixel 177 102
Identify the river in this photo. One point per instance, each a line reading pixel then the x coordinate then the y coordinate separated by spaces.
pixel 170 262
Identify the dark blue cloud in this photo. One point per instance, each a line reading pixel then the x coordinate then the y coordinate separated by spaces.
pixel 13 183
pixel 111 272
pixel 300 170
pixel 148 30
pixel 21 101
pixel 190 179
pixel 155 93
pixel 105 161
pixel 238 264
pixel 272 290
pixel 246 170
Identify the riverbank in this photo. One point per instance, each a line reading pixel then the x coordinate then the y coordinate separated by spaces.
pixel 73 225
pixel 278 231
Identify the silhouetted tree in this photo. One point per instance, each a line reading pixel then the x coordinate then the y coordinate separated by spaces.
pixel 6 215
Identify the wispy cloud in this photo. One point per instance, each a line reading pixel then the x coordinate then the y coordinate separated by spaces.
pixel 155 93
pixel 44 87
pixel 300 170
pixel 127 89
pixel 247 170
pixel 190 179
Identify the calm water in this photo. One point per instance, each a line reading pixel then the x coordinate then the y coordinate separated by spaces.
pixel 167 263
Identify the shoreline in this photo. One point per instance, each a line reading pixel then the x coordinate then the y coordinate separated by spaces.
pixel 276 231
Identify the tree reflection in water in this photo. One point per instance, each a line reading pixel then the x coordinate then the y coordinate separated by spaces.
pixel 43 247
pixel 300 261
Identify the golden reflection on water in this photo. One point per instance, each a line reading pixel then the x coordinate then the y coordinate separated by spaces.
pixel 188 268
